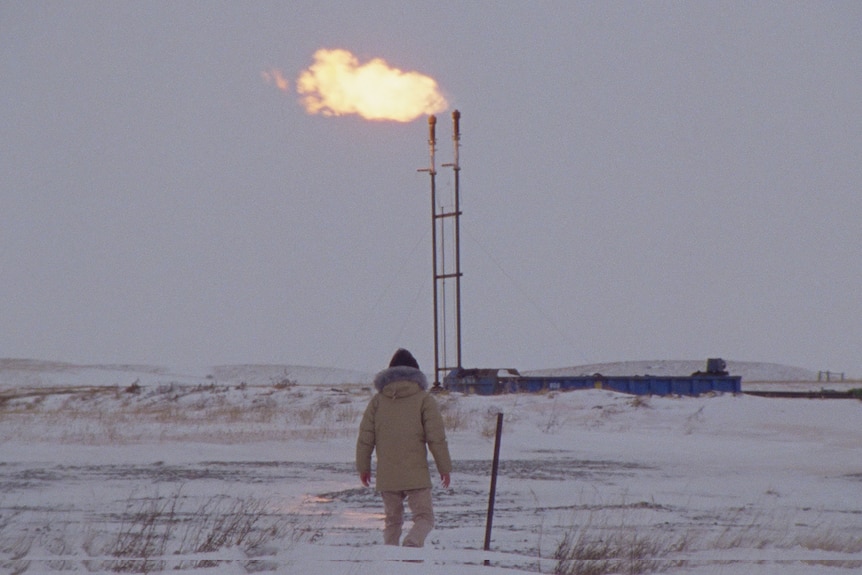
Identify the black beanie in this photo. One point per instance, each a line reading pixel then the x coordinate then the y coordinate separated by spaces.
pixel 404 358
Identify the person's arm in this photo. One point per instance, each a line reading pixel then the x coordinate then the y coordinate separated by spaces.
pixel 365 443
pixel 435 437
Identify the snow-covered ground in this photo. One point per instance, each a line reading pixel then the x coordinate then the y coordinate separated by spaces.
pixel 241 469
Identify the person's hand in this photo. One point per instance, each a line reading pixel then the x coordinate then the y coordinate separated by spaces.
pixel 365 478
pixel 444 477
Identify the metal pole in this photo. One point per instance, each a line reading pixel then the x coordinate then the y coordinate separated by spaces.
pixel 456 137
pixel 494 468
pixel 432 170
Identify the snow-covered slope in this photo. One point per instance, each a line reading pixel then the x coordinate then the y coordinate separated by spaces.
pixel 29 373
pixel 267 374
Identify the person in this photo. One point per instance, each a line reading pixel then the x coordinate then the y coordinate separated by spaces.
pixel 402 422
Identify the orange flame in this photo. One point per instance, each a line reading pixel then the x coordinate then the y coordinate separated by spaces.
pixel 275 76
pixel 336 85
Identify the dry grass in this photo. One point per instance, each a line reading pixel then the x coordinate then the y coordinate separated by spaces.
pixel 211 412
pixel 112 416
pixel 606 543
pixel 604 546
pixel 833 542
pixel 455 418
pixel 159 533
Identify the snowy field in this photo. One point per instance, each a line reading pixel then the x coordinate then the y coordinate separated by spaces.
pixel 245 469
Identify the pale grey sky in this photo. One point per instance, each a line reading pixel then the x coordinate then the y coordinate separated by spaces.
pixel 656 180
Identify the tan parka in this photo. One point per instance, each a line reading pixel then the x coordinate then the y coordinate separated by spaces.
pixel 399 422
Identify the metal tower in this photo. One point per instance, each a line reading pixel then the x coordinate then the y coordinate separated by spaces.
pixel 447 282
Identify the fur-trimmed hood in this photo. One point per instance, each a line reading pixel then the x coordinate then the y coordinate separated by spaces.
pixel 400 373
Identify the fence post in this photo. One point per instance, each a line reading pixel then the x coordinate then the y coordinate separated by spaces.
pixel 494 469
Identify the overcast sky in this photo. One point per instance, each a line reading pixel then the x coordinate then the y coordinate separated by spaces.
pixel 656 180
